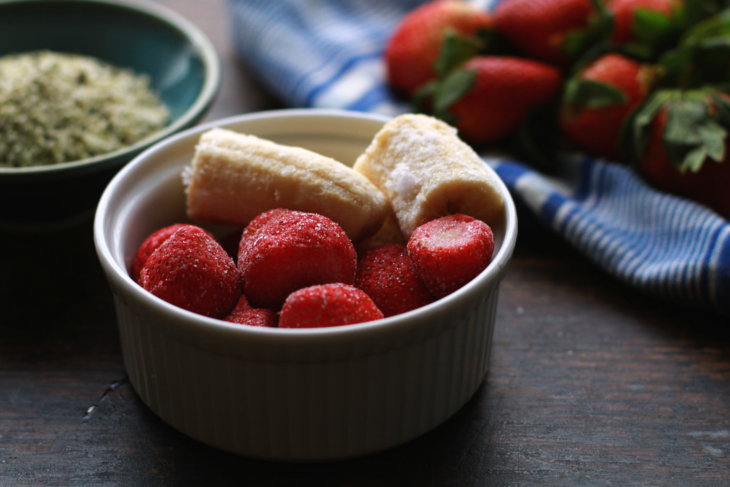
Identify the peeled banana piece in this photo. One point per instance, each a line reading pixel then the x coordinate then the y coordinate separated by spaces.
pixel 234 177
pixel 427 172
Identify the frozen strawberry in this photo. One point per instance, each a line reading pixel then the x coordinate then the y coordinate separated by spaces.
pixel 191 270
pixel 244 314
pixel 450 251
pixel 261 220
pixel 149 245
pixel 254 317
pixel 286 250
pixel 389 277
pixel 332 304
pixel 241 305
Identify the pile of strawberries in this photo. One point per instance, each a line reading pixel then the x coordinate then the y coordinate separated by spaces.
pixel 642 82
pixel 294 269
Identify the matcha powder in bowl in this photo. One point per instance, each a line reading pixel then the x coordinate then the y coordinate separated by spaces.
pixel 57 107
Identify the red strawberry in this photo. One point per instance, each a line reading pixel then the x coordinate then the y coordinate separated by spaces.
pixel 149 245
pixel 191 270
pixel 254 317
pixel 541 28
pixel 285 250
pixel 414 47
pixel 599 100
pixel 332 304
pixel 488 97
pixel 389 277
pixel 244 314
pixel 681 141
pixel 628 25
pixel 450 251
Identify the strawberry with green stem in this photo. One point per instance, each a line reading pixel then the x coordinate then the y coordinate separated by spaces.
pixel 413 50
pixel 600 98
pixel 644 27
pixel 702 56
pixel 679 140
pixel 487 98
pixel 546 30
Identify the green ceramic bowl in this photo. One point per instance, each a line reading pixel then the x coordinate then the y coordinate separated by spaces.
pixel 180 61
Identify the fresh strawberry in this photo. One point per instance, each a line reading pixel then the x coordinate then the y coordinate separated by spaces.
pixel 450 251
pixel 488 97
pixel 285 250
pixel 191 270
pixel 149 245
pixel 680 139
pixel 600 98
pixel 644 21
pixel 389 277
pixel 415 46
pixel 332 304
pixel 542 29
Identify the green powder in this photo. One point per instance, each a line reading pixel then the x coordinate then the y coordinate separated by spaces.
pixel 58 107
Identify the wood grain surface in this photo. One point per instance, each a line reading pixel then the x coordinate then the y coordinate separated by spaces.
pixel 590 383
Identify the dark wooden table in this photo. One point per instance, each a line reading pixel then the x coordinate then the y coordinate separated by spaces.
pixel 590 383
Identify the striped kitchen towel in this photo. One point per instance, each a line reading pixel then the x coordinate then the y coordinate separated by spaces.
pixel 328 54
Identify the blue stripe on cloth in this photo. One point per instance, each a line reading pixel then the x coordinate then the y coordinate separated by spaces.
pixel 665 246
pixel 328 54
pixel 345 66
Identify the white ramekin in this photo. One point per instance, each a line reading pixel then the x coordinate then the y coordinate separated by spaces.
pixel 289 394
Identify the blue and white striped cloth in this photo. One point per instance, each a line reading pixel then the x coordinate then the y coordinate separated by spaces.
pixel 328 54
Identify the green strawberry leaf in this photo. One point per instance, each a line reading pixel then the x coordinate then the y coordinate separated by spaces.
pixel 579 41
pixel 653 28
pixel 692 135
pixel 423 97
pixel 695 11
pixel 455 50
pixel 588 93
pixel 703 54
pixel 452 88
pixel 638 50
pixel 715 26
pixel 635 139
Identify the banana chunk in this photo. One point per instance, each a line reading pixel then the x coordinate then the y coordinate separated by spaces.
pixel 234 177
pixel 427 172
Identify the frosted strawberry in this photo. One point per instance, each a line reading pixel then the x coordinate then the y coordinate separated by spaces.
pixel 150 244
pixel 389 277
pixel 244 314
pixel 284 250
pixel 331 304
pixel 254 317
pixel 191 270
pixel 450 251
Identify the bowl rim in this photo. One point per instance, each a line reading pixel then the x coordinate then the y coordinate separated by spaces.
pixel 217 329
pixel 211 85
